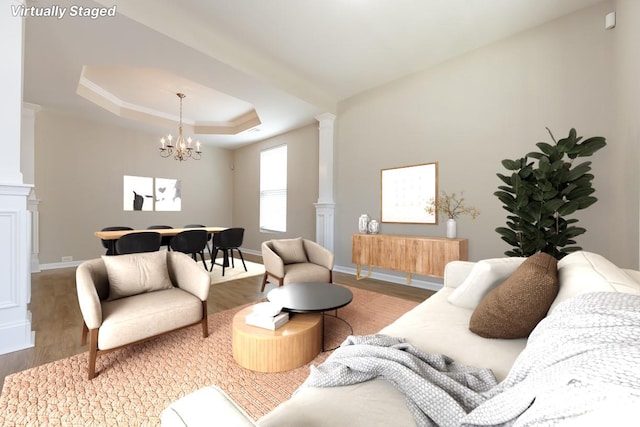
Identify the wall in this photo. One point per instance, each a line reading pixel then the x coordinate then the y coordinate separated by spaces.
pixel 302 191
pixel 493 103
pixel 80 166
pixel 627 127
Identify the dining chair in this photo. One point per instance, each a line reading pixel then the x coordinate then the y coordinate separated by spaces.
pixel 226 241
pixel 166 240
pixel 191 242
pixel 110 244
pixel 208 236
pixel 133 243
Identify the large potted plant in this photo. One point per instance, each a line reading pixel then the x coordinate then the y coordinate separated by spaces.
pixel 542 191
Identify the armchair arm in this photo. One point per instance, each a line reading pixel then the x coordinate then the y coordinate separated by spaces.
pixel 272 262
pixel 92 285
pixel 318 255
pixel 188 275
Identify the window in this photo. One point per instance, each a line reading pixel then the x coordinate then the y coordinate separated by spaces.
pixel 273 189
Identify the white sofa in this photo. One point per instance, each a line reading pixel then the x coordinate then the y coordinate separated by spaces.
pixel 434 326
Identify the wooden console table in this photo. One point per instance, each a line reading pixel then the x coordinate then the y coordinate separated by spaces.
pixel 411 254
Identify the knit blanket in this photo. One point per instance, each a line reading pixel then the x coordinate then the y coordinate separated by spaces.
pixel 581 367
pixel 439 392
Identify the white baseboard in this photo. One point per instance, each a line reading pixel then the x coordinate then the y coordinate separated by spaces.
pixel 423 284
pixel 54 265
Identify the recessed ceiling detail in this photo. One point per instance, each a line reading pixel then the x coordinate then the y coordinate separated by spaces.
pixel 149 95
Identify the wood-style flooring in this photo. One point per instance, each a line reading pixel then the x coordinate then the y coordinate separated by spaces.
pixel 57 321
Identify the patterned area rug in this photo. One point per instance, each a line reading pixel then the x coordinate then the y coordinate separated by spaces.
pixel 135 384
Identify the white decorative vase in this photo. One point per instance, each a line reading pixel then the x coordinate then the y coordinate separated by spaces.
pixel 374 227
pixel 363 223
pixel 451 228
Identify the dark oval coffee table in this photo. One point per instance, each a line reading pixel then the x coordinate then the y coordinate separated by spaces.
pixel 312 297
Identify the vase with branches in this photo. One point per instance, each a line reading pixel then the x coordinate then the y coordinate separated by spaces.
pixel 452 205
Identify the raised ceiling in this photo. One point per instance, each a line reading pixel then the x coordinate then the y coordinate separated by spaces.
pixel 141 94
pixel 279 62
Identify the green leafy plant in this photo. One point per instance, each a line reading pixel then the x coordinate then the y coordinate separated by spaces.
pixel 541 194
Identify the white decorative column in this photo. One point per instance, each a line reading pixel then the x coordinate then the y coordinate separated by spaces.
pixel 325 207
pixel 15 224
pixel 27 164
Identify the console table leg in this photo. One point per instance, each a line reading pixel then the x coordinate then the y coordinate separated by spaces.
pixel 408 278
pixel 359 271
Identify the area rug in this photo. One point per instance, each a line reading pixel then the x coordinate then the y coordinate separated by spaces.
pixel 233 273
pixel 135 384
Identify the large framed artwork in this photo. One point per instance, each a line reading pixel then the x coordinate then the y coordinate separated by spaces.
pixel 141 193
pixel 405 192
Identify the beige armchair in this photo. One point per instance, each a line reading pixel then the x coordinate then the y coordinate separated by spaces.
pixel 296 260
pixel 118 311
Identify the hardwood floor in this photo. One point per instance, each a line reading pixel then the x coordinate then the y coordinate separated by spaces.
pixel 57 320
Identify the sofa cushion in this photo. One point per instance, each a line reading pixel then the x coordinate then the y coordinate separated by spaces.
pixel 485 275
pixel 135 274
pixel 291 251
pixel 514 308
pixel 581 272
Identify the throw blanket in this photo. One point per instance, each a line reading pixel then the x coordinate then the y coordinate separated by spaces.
pixel 581 367
pixel 438 391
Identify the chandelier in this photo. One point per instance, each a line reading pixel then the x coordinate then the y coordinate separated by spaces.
pixel 182 149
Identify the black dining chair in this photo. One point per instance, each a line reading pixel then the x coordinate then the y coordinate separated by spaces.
pixel 226 241
pixel 166 240
pixel 133 243
pixel 191 242
pixel 208 236
pixel 110 245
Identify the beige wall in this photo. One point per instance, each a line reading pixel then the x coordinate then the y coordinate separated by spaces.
pixel 80 166
pixel 494 103
pixel 302 192
pixel 468 114
pixel 622 214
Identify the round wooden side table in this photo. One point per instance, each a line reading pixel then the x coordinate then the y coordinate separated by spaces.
pixel 290 346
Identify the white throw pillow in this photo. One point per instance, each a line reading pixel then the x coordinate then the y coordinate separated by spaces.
pixel 135 274
pixel 290 250
pixel 484 276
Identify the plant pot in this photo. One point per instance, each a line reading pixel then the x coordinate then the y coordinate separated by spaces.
pixel 451 228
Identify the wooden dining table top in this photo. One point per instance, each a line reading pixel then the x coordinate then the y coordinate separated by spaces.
pixel 114 235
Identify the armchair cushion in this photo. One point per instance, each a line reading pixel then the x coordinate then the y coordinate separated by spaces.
pixel 306 272
pixel 127 320
pixel 291 251
pixel 138 273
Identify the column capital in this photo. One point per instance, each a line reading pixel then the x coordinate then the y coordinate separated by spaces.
pixel 324 117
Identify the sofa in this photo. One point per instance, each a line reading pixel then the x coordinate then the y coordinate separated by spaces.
pixel 127 299
pixel 441 325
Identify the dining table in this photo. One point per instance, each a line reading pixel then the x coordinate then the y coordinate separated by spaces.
pixel 113 235
pixel 116 234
